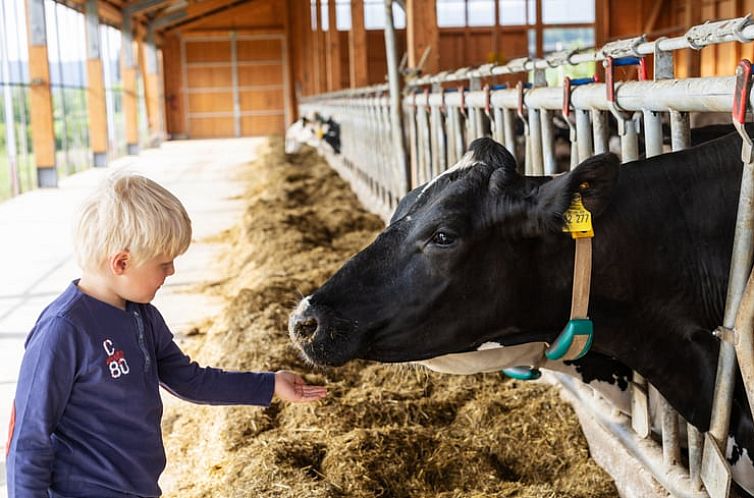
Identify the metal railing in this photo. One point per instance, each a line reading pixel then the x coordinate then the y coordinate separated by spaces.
pixel 440 122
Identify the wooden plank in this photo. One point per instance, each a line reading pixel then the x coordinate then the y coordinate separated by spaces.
pixel 208 51
pixel 40 102
pixel 333 49
pixel 292 31
pixel 95 96
pixel 321 52
pixel 212 127
pixel 129 106
pixel 211 102
pixel 259 50
pixel 262 100
pixel 727 53
pixel 173 69
pixel 95 93
pixel 357 46
pixel 261 125
pixel 205 77
pixel 151 91
pixel 270 74
pixel 422 33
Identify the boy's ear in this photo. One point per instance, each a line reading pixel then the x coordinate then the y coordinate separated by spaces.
pixel 119 262
pixel 594 179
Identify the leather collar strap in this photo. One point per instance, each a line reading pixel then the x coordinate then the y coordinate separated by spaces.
pixel 575 339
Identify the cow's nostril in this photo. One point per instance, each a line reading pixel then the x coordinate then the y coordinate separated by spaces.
pixel 306 328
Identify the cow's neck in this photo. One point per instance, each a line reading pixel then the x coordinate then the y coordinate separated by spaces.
pixel 661 262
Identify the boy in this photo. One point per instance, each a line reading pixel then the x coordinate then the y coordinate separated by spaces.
pixel 87 408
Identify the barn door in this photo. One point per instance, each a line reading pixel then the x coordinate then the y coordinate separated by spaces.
pixel 235 85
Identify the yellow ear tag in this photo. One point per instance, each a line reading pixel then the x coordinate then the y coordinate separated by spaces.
pixel 578 221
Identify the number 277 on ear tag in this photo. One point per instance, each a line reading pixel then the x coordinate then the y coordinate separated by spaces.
pixel 578 220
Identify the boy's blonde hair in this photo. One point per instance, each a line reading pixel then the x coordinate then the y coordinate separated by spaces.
pixel 132 213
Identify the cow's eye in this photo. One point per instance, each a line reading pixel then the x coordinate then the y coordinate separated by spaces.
pixel 442 239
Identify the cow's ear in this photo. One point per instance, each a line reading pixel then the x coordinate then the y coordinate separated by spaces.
pixel 594 179
pixel 405 204
pixel 486 150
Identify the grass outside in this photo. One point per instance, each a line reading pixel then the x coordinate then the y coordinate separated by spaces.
pixel 27 174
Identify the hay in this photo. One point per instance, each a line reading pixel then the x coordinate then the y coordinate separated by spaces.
pixel 386 431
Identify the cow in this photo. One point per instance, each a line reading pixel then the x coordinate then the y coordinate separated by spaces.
pixel 477 257
pixel 313 130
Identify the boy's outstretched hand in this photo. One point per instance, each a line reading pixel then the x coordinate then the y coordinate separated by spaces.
pixel 291 387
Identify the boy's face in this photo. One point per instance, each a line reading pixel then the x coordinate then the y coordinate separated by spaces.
pixel 139 284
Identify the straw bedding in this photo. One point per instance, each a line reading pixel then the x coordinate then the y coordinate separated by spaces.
pixel 384 430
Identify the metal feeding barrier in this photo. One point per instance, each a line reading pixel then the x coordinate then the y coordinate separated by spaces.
pixel 443 113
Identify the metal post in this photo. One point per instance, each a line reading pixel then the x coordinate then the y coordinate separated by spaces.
pixel 652 133
pixel 583 134
pixel 599 122
pixel 394 84
pixel 535 143
pixel 680 135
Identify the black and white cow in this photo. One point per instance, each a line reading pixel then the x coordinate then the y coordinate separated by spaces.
pixel 478 257
pixel 312 130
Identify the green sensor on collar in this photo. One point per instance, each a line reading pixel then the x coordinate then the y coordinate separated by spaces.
pixel 522 373
pixel 574 327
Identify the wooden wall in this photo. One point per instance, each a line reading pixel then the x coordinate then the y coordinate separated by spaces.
pixel 201 97
pixel 307 61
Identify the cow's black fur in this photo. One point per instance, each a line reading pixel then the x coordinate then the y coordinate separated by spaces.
pixel 479 256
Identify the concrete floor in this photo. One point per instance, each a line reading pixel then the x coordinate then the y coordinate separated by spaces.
pixel 36 260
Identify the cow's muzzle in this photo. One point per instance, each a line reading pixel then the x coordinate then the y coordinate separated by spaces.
pixel 321 337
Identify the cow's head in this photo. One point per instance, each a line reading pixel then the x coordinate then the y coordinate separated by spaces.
pixel 475 255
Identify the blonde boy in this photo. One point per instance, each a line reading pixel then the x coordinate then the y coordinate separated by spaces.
pixel 86 418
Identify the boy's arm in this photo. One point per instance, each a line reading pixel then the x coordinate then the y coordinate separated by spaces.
pixel 187 380
pixel 44 385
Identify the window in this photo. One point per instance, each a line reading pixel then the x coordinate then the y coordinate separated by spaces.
pixel 555 39
pixel 480 12
pixel 17 167
pixel 324 14
pixel 374 15
pixel 512 12
pixel 343 14
pixel 111 41
pixel 451 13
pixel 66 53
pixel 567 11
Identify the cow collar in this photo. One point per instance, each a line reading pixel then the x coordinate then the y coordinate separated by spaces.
pixel 575 339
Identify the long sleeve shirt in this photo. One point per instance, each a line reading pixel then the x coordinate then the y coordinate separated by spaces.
pixel 87 406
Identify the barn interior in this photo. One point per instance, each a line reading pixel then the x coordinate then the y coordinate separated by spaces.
pixel 196 93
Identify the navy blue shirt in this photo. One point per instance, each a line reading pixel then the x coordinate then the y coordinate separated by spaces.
pixel 88 408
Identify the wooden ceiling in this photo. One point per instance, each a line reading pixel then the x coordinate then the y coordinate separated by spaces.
pixel 161 15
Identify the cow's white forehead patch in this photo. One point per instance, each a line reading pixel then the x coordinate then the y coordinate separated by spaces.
pixel 466 162
pixel 489 345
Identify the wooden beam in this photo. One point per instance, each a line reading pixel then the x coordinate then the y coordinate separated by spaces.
pixel 129 88
pixel 422 33
pixel 40 95
pixel 293 30
pixel 195 12
pixel 357 46
pixel 652 21
pixel 334 69
pixel 150 77
pixel 690 64
pixel 95 93
pixel 320 50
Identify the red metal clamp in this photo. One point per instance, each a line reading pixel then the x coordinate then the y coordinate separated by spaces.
pixel 566 97
pixel 743 88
